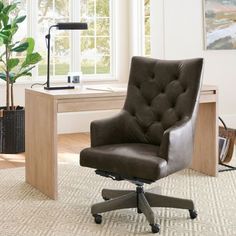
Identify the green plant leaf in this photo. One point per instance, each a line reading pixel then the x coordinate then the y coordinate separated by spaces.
pixel 31 59
pixel 13 45
pixel 26 72
pixel 14 29
pixel 12 77
pixel 11 63
pixel 21 48
pixel 1 6
pixel 19 19
pixel 10 29
pixel 3 36
pixel 9 8
pixel 7 34
pixel 1 41
pixel 7 27
pixel 4 18
pixel 31 42
pixel 3 76
pixel 28 69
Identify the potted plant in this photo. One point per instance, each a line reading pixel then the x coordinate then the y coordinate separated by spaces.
pixel 12 123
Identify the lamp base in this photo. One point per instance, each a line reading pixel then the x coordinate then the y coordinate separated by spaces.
pixel 59 88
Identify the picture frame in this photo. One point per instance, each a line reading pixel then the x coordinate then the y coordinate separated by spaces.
pixel 220 24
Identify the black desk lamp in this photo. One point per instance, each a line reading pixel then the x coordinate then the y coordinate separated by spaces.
pixel 61 26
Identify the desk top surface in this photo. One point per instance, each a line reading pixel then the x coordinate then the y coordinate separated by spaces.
pixel 107 90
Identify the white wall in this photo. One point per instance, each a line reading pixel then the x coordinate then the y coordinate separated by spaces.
pixel 178 33
pixel 80 122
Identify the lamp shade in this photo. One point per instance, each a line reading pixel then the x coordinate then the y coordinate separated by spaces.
pixel 72 26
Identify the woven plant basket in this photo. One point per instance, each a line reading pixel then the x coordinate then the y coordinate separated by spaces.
pixel 12 130
pixel 231 135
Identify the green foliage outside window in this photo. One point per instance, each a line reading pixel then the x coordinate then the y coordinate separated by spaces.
pixel 147 44
pixel 94 42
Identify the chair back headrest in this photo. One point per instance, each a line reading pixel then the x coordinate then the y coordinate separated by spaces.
pixel 160 93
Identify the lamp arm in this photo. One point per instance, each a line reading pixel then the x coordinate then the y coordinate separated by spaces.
pixel 48 37
pixel 60 26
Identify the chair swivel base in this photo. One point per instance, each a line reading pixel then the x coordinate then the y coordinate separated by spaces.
pixel 143 201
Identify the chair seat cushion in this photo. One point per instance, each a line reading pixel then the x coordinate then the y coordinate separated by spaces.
pixel 132 160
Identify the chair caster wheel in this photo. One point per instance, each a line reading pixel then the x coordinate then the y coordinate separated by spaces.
pixel 105 198
pixel 97 219
pixel 193 214
pixel 155 228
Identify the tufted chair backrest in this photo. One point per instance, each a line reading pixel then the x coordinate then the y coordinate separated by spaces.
pixel 160 94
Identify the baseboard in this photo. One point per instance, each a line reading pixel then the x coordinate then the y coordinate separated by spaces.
pixel 80 122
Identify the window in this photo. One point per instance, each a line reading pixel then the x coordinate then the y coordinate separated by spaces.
pixel 147 38
pixel 140 31
pixel 90 51
pixel 49 13
pixel 96 42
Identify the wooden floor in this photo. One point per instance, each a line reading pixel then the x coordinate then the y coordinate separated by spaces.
pixel 67 143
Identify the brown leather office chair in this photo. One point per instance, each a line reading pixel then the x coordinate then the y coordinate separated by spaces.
pixel 151 138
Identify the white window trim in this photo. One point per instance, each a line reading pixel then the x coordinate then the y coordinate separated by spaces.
pixel 137 26
pixel 143 29
pixel 142 26
pixel 113 45
pixel 32 11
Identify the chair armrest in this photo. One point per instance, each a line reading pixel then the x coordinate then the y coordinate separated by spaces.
pixel 107 131
pixel 177 145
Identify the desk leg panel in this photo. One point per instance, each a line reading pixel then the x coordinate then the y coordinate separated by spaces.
pixel 205 157
pixel 41 143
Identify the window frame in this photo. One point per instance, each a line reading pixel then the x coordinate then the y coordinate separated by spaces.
pixel 144 29
pixel 137 23
pixel 32 27
pixel 112 75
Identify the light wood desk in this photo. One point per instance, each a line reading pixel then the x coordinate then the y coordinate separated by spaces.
pixel 41 109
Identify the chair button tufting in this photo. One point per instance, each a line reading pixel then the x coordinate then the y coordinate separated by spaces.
pixel 158 119
pixel 132 113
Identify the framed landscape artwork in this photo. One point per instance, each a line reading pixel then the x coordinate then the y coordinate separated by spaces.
pixel 220 24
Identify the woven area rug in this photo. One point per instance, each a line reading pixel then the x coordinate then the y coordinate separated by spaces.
pixel 26 212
